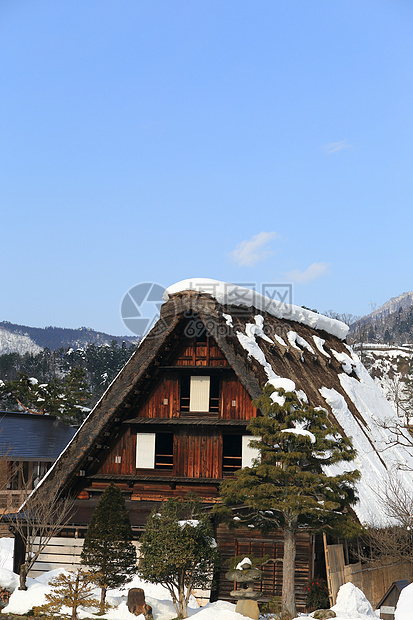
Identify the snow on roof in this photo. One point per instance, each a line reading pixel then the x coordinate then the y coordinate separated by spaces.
pixel 377 455
pixel 234 295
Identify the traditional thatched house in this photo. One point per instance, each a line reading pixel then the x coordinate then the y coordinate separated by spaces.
pixel 175 418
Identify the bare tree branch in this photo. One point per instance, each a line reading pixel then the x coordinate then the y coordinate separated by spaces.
pixel 393 543
pixel 39 519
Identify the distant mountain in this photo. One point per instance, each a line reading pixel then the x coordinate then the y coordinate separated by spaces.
pixel 392 323
pixel 405 300
pixel 23 339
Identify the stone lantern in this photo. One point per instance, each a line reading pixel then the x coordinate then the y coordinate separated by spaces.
pixel 246 576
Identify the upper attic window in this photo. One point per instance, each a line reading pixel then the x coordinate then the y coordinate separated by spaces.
pixel 202 336
pixel 199 394
pixel 196 329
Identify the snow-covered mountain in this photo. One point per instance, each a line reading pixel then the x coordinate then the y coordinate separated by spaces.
pixel 12 342
pixel 405 300
pixel 23 339
pixel 392 323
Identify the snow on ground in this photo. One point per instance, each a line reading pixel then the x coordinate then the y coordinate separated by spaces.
pixel 8 579
pixel 351 602
pixel 6 553
pixel 405 605
pixel 21 601
pixel 351 605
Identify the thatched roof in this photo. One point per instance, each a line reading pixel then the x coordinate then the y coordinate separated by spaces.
pixel 291 348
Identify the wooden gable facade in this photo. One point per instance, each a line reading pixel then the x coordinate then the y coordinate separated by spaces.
pixel 187 426
pixel 173 422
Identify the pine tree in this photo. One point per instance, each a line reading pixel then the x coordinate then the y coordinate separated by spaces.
pixel 98 366
pixel 108 551
pixel 178 550
pixel 76 396
pixel 71 590
pixel 66 398
pixel 287 488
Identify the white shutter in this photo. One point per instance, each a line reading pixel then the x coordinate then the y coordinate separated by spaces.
pixel 145 450
pixel 199 393
pixel 248 453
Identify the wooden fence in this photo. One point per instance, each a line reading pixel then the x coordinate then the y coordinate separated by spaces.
pixel 60 552
pixel 334 555
pixel 373 579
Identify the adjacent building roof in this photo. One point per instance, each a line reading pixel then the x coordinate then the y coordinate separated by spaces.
pixel 264 341
pixel 32 437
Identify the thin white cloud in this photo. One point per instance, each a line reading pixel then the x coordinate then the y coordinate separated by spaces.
pixel 314 271
pixel 335 147
pixel 253 251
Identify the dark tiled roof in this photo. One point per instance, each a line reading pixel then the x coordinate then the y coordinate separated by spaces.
pixel 31 437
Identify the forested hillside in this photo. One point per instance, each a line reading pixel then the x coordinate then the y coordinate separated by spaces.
pixel 99 366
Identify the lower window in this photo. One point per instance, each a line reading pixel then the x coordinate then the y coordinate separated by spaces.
pixel 154 451
pixel 164 451
pixel 231 453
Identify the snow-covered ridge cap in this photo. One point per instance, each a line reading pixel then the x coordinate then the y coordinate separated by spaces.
pixel 233 295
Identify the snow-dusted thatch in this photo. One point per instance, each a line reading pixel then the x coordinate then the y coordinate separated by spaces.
pixel 263 342
pixel 234 295
pixel 323 371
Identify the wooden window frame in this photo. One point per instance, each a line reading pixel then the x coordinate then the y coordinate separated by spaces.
pixel 212 402
pixel 148 454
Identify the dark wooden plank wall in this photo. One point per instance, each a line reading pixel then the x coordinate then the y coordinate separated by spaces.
pixel 198 455
pixel 164 399
pixel 242 542
pixel 125 447
pixel 165 389
pixel 197 449
pixel 192 353
pixel 147 491
pixel 232 390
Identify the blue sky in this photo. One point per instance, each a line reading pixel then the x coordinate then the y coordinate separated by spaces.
pixel 247 141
